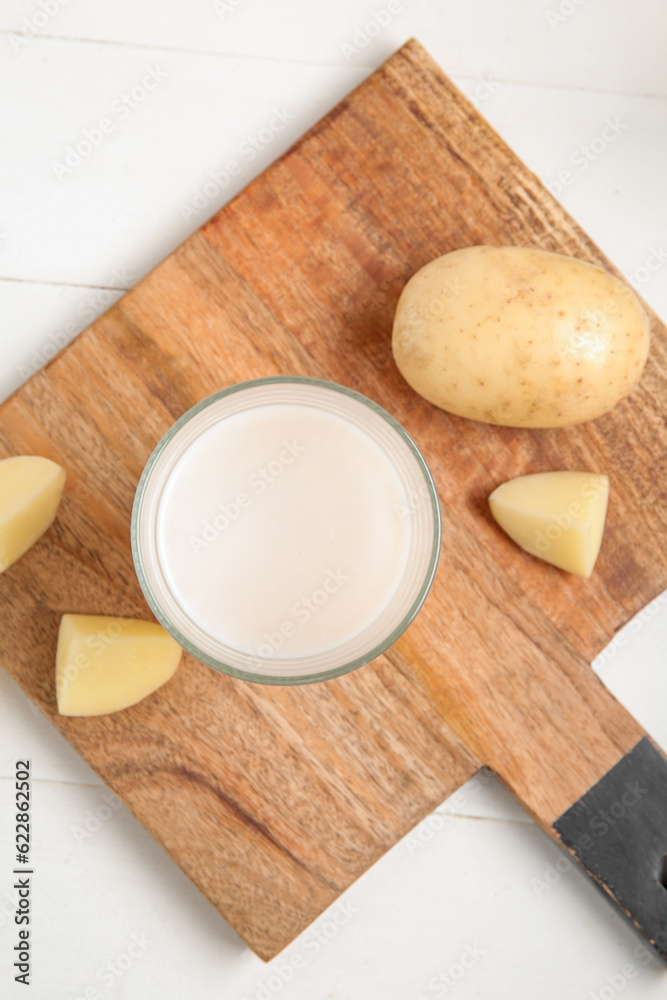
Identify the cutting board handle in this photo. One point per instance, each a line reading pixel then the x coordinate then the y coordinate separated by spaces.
pixel 576 760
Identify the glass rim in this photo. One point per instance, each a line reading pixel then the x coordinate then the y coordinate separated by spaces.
pixel 273 679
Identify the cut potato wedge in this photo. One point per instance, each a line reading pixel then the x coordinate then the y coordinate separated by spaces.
pixel 30 491
pixel 557 516
pixel 106 664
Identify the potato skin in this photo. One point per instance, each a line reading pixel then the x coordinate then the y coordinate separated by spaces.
pixel 519 336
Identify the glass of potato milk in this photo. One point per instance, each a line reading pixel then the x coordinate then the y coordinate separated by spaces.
pixel 286 530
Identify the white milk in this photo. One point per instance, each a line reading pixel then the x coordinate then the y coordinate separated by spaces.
pixel 279 530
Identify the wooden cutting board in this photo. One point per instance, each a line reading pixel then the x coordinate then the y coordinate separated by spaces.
pixel 273 800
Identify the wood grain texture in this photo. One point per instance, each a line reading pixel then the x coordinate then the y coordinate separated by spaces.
pixel 274 800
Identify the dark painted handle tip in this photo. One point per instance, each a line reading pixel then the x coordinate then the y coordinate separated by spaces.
pixel 618 831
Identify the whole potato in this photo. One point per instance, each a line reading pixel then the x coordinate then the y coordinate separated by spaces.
pixel 518 336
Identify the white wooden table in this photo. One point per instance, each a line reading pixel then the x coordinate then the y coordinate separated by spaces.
pixel 159 96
